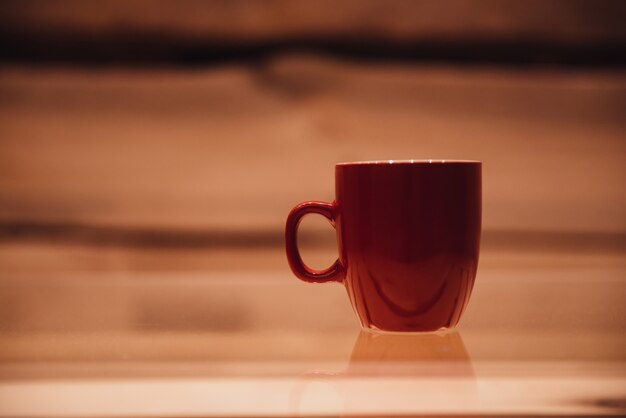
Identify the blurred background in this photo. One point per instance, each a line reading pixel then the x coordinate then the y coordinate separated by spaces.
pixel 151 150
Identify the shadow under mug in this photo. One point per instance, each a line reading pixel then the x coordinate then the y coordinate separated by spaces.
pixel 408 234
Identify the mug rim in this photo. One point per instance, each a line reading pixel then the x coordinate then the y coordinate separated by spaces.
pixel 406 162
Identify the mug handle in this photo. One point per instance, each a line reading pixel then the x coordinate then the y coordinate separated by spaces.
pixel 334 273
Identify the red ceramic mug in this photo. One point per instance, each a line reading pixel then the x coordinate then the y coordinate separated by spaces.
pixel 409 237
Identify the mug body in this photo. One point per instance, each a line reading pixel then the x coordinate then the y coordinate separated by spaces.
pixel 409 237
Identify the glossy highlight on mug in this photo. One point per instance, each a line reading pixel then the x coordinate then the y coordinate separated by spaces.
pixel 430 161
pixel 408 234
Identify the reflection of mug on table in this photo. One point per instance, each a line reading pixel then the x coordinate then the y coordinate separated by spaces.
pixel 408 234
pixel 393 374
pixel 422 355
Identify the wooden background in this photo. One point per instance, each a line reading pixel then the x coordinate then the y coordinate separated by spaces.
pixel 150 152
pixel 236 147
pixel 219 117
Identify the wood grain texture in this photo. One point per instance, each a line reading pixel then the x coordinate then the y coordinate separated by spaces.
pixel 245 20
pixel 75 304
pixel 234 148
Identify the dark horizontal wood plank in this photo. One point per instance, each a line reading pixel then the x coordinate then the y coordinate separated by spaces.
pixel 581 32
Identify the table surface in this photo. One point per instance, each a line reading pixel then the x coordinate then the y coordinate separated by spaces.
pixel 543 335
